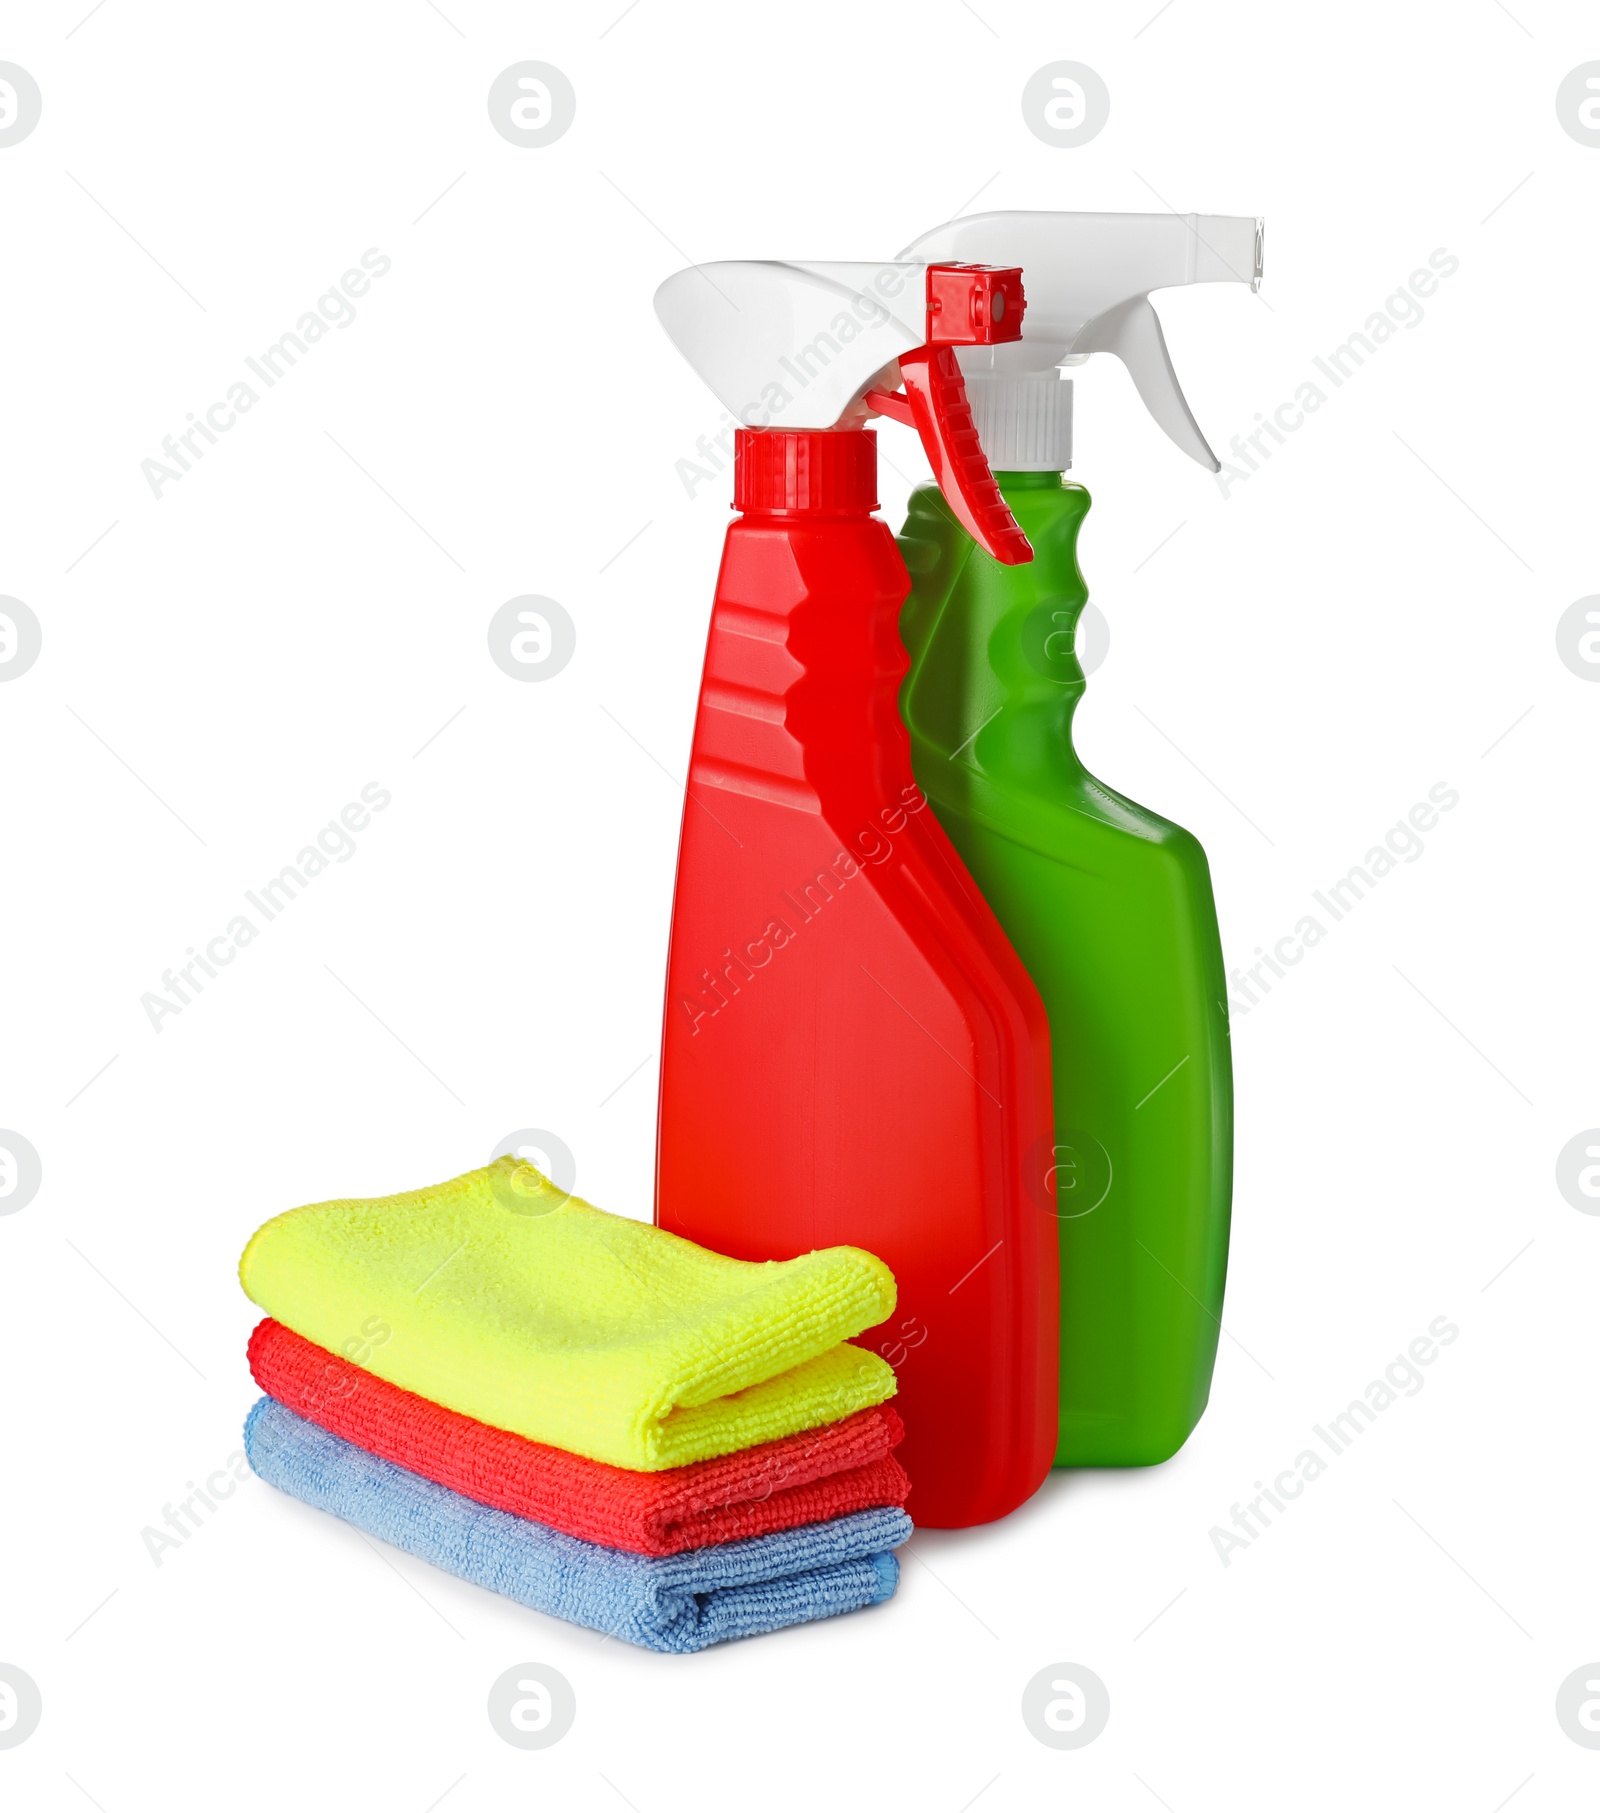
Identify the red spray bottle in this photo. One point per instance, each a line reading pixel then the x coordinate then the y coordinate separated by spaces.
pixel 852 1052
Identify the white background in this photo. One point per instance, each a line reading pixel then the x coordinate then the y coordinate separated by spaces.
pixel 1293 669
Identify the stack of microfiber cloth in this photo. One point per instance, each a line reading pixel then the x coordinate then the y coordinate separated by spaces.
pixel 587 1414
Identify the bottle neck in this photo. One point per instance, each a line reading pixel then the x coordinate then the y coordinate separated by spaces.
pixel 1029 481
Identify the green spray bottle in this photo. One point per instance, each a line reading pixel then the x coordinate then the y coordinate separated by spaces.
pixel 1108 905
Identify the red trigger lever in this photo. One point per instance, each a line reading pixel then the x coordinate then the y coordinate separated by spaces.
pixel 968 305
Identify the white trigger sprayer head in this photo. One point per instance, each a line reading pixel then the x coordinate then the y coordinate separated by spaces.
pixel 1089 279
pixel 814 347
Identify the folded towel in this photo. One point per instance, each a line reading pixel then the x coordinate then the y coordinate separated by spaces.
pixel 804 1478
pixel 677 1603
pixel 504 1298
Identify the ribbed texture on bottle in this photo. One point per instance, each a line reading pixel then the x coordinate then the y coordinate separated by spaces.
pixel 815 471
pixel 1024 421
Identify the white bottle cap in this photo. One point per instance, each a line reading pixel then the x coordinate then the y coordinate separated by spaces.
pixel 1023 419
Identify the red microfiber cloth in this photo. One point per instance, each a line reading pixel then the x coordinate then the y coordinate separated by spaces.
pixel 805 1478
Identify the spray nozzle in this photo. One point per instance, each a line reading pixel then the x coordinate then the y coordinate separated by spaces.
pixel 818 346
pixel 1089 283
pixel 974 304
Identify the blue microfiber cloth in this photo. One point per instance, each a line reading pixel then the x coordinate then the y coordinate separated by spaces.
pixel 678 1603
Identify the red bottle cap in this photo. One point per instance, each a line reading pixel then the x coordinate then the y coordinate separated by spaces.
pixel 809 472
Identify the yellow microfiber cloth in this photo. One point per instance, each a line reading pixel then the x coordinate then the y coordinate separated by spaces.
pixel 501 1297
